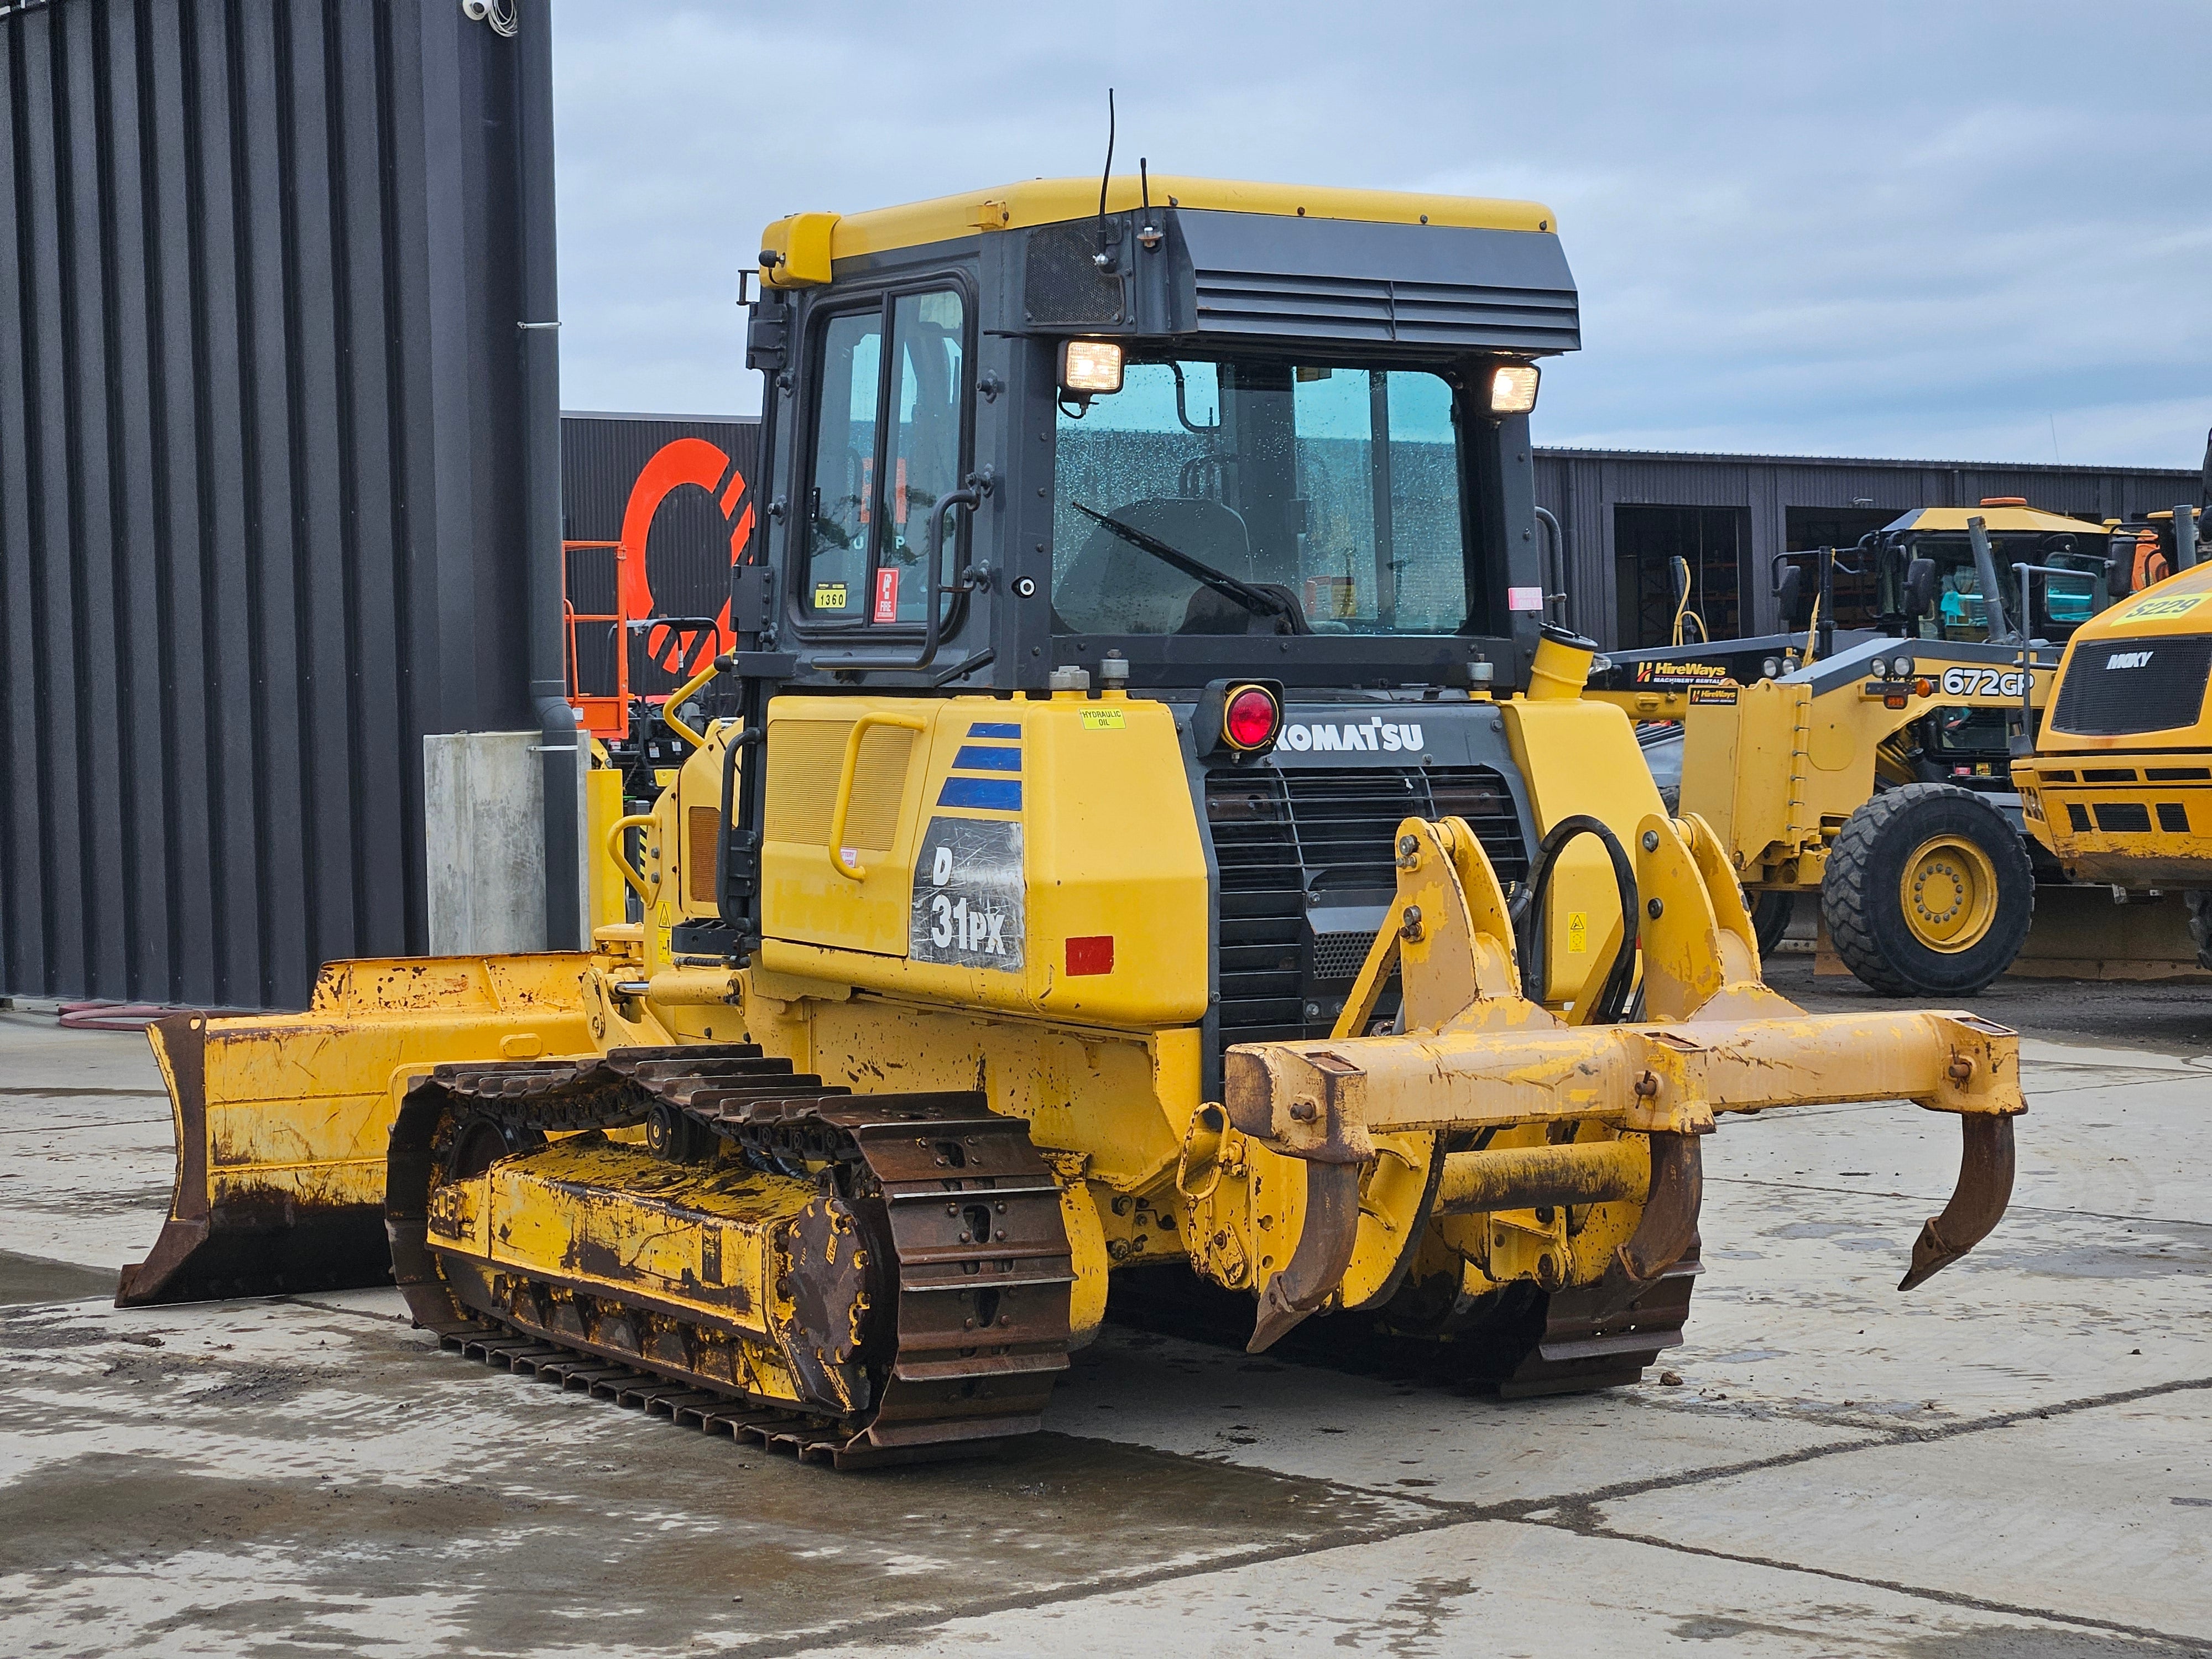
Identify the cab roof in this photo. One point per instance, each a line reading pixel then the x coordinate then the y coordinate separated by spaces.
pixel 1923 520
pixel 1055 201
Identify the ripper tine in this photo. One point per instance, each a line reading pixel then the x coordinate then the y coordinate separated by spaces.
pixel 1667 1226
pixel 1977 1203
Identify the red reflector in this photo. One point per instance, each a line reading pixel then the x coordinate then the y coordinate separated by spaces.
pixel 1895 701
pixel 1091 955
pixel 1251 718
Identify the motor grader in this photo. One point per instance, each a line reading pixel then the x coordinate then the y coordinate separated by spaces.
pixel 1870 764
pixel 1143 823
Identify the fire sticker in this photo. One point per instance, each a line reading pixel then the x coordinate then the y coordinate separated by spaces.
pixel 887 596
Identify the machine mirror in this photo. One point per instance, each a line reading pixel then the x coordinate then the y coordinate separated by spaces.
pixel 1786 583
pixel 1919 588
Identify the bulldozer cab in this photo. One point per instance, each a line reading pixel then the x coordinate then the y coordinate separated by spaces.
pixel 1191 431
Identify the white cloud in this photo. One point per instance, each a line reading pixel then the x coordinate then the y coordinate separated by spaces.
pixel 1895 229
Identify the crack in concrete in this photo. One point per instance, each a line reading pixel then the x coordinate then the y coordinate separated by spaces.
pixel 1573 1513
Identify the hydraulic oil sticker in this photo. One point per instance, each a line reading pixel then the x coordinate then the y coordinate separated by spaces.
pixel 829 596
pixel 1104 719
pixel 967 895
pixel 1722 694
pixel 2163 604
pixel 887 596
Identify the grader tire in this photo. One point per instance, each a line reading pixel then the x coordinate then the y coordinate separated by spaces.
pixel 2200 925
pixel 1771 918
pixel 1928 892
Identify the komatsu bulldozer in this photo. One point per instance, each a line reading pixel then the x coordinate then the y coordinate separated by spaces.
pixel 1143 823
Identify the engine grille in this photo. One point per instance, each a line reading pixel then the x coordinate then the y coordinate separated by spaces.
pixel 1279 835
pixel 2114 687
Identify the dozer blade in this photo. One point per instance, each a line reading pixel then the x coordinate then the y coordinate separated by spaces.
pixel 281 1119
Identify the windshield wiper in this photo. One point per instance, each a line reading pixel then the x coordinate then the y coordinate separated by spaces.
pixel 1260 601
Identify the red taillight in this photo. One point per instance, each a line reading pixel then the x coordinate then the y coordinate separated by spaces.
pixel 1251 719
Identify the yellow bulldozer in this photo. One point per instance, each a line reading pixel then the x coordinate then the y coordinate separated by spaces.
pixel 1144 828
pixel 2118 785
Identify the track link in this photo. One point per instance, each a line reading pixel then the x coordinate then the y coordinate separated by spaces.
pixel 958 1349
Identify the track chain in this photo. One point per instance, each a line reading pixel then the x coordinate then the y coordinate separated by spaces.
pixel 952 1193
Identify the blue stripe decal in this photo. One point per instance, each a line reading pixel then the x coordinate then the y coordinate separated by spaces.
pixel 993 729
pixel 977 757
pixel 990 794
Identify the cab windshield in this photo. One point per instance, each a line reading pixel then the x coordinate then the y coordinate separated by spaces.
pixel 2063 602
pixel 1240 495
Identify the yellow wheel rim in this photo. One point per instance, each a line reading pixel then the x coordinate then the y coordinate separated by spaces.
pixel 1949 893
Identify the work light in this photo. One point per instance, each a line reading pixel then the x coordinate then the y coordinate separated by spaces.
pixel 1090 366
pixel 1513 388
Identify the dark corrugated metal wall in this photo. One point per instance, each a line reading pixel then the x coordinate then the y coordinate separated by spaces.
pixel 259 530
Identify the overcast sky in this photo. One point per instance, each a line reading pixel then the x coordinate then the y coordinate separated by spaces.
pixel 1966 232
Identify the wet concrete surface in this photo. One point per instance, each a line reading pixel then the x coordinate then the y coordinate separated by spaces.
pixel 2014 1462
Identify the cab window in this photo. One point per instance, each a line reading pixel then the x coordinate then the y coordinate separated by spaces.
pixel 887 443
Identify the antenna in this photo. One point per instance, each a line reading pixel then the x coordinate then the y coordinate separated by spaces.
pixel 1102 260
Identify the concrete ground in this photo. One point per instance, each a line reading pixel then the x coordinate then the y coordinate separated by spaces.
pixel 2014 1461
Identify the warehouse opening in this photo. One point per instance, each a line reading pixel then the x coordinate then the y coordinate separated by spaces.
pixel 1713 543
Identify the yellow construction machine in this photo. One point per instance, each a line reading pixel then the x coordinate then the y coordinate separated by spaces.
pixel 1143 826
pixel 1869 764
pixel 2119 787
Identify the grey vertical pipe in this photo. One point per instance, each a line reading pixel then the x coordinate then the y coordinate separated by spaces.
pixel 2184 536
pixel 1556 563
pixel 540 344
pixel 1985 574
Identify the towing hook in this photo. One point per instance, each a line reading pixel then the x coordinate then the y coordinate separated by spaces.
pixel 1976 1204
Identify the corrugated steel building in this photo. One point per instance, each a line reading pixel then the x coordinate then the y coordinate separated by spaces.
pixel 1623 513
pixel 261 515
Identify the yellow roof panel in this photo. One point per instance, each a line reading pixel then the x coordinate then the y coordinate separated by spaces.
pixel 1055 201
pixel 1925 520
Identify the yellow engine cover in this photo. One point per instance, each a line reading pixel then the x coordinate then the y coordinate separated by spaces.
pixel 1036 857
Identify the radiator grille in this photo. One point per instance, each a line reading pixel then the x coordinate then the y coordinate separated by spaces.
pixel 2114 687
pixel 1278 835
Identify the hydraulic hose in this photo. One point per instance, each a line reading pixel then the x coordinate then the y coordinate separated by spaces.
pixel 1611 1004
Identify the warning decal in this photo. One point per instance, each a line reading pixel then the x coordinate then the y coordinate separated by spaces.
pixel 967 895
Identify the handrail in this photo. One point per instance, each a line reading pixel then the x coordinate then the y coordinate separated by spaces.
pixel 970 495
pixel 843 806
pixel 677 700
pixel 647 892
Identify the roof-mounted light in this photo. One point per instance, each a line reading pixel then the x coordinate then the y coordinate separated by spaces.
pixel 1091 368
pixel 1513 389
